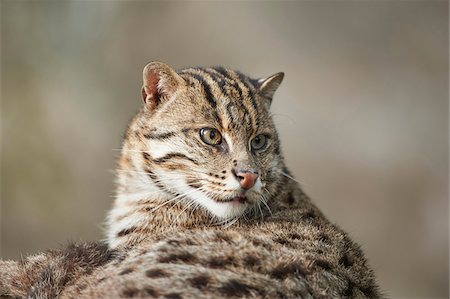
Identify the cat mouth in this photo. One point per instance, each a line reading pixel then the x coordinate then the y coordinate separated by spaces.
pixel 235 200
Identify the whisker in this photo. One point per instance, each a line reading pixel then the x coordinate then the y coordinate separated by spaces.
pixel 132 151
pixel 230 223
pixel 263 199
pixel 191 200
pixel 173 199
pixel 290 177
pixel 275 115
pixel 260 211
pixel 185 175
pixel 188 205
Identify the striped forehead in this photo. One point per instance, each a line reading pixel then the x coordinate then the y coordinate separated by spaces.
pixel 229 92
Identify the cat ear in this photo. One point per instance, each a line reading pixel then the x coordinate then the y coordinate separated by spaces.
pixel 268 86
pixel 160 84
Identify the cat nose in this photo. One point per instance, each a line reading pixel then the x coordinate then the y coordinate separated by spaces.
pixel 246 178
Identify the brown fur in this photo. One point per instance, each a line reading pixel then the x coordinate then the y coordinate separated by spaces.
pixel 46 275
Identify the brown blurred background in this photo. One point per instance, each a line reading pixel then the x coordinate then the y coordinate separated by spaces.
pixel 362 113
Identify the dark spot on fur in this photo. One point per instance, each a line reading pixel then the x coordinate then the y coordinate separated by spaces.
pixel 175 166
pixel 173 296
pixel 348 292
pixel 224 171
pixel 160 136
pixel 236 288
pixel 149 291
pixel 185 257
pixel 216 176
pixel 126 271
pixel 223 177
pixel 126 231
pixel 259 242
pixel 309 216
pixel 193 183
pixel 173 242
pixel 277 149
pixel 282 241
pixel 146 157
pixel 101 279
pixel 168 157
pixel 369 291
pixel 295 236
pixel 346 260
pixel 290 199
pixel 199 281
pixel 323 264
pixel 163 249
pixel 186 130
pixel 324 238
pixel 251 261
pixel 221 261
pixel 156 273
pixel 284 270
pixel 215 183
pixel 129 292
pixel 120 258
pixel 189 242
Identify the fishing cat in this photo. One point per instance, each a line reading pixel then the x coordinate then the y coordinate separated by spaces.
pixel 205 207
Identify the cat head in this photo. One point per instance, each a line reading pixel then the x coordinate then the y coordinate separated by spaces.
pixel 205 136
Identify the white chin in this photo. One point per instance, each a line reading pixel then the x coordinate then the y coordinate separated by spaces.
pixel 220 209
pixel 227 209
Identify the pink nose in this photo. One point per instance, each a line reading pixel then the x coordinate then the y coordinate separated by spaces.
pixel 246 179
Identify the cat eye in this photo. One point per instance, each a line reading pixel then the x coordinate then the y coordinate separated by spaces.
pixel 211 136
pixel 258 143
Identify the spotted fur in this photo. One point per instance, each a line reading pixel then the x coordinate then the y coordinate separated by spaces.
pixel 173 231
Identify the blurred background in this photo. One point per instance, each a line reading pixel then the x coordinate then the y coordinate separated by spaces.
pixel 362 113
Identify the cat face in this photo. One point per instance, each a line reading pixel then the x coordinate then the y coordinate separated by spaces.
pixel 207 138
